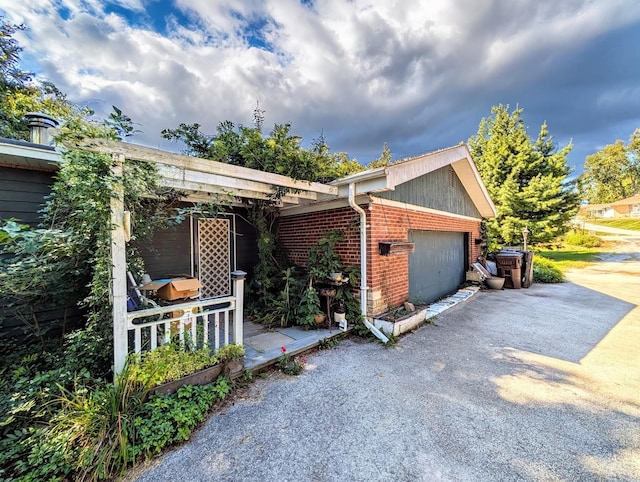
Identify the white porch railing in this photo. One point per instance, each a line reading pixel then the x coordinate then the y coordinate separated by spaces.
pixel 214 322
pixel 195 324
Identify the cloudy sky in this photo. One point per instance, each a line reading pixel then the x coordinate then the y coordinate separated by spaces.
pixel 416 74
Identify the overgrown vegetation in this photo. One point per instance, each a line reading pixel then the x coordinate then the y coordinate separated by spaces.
pixel 546 271
pixel 57 425
pixel 581 238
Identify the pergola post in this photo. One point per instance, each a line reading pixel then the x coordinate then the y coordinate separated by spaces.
pixel 119 267
pixel 238 316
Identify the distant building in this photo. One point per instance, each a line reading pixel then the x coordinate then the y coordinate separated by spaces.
pixel 625 208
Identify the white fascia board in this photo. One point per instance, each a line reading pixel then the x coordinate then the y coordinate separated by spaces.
pixel 29 156
pixel 321 206
pixel 376 184
pixel 415 167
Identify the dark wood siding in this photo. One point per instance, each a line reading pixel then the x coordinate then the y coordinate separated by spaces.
pixel 169 252
pixel 246 244
pixel 440 189
pixel 22 193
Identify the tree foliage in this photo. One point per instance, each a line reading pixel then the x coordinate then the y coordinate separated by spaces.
pixel 527 180
pixel 21 93
pixel 612 173
pixel 384 159
pixel 279 152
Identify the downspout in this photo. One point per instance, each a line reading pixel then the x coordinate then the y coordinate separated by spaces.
pixel 363 263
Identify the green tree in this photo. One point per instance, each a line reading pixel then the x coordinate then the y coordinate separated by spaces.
pixel 280 152
pixel 612 173
pixel 527 180
pixel 384 159
pixel 20 93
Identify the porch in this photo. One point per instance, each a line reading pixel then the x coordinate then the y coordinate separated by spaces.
pixel 263 346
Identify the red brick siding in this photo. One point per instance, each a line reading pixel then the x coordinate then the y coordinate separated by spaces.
pixel 389 275
pixel 297 234
pixel 388 278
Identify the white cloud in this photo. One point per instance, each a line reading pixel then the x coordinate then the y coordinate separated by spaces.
pixel 418 74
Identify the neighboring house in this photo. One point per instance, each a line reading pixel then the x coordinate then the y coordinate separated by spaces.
pixel 430 207
pixel 629 207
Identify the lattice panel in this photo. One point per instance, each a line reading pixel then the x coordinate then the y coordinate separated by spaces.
pixel 214 257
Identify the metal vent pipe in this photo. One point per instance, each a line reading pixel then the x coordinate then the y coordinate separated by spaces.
pixel 39 125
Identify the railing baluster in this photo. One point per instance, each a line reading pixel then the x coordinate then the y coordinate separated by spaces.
pixel 154 337
pixel 205 330
pixel 226 327
pixel 216 325
pixel 137 343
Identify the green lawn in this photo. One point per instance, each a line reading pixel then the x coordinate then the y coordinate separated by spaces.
pixel 633 224
pixel 570 257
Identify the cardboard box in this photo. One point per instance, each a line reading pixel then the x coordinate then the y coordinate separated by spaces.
pixel 174 288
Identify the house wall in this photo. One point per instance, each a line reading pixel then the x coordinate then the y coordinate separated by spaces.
pixel 169 251
pixel 440 189
pixel 388 278
pixel 297 234
pixel 22 193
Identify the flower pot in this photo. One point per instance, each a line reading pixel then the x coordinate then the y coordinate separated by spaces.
pixel 337 277
pixel 330 292
pixel 202 377
pixel 320 317
pixel 495 283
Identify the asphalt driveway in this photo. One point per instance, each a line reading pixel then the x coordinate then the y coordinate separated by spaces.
pixel 533 384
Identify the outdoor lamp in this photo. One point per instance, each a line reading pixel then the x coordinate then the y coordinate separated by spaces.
pixel 525 233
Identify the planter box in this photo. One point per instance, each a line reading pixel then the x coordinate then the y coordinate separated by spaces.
pixel 401 326
pixel 203 377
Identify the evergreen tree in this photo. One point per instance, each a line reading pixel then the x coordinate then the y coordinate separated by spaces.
pixel 526 180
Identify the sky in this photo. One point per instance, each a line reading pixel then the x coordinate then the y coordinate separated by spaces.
pixel 418 75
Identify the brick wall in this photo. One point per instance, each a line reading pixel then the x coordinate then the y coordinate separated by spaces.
pixel 388 278
pixel 389 275
pixel 297 234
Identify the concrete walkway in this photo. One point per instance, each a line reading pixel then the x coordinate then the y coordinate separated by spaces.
pixel 264 346
pixel 538 384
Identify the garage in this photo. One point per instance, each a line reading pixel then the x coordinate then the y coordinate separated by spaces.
pixel 438 264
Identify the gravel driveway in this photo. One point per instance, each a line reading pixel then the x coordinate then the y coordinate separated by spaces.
pixel 533 384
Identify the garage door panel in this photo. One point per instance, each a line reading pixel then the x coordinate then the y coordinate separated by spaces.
pixel 436 268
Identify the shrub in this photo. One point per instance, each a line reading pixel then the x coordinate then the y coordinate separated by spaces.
pixel 166 419
pixel 170 362
pixel 546 271
pixel 580 238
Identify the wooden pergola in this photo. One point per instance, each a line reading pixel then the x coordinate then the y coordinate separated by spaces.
pixel 201 180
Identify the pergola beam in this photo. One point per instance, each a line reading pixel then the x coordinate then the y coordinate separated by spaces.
pixel 147 154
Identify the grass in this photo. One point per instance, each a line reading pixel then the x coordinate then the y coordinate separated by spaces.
pixel 569 257
pixel 633 224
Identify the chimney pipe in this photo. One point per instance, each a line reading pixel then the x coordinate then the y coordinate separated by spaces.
pixel 39 125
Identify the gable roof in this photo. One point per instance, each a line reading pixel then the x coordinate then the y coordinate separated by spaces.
pixel 388 177
pixel 635 199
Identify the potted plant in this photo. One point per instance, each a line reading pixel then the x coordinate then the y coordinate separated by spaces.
pixel 309 311
pixel 323 262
